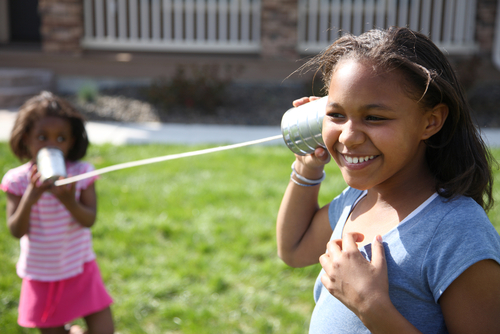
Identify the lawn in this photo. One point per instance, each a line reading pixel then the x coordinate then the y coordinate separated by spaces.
pixel 188 246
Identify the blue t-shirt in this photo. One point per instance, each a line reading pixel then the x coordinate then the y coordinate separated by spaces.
pixel 425 253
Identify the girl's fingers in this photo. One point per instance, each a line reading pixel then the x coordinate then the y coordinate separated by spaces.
pixel 337 246
pixel 301 101
pixel 350 239
pixel 334 247
pixel 304 100
pixel 378 253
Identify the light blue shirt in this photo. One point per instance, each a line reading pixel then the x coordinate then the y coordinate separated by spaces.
pixel 425 253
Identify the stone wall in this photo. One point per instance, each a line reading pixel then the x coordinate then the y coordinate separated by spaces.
pixel 61 25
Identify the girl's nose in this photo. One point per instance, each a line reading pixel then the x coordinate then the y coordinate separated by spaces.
pixel 351 135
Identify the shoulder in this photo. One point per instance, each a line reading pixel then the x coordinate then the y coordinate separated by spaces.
pixel 78 168
pixel 461 234
pixel 347 197
pixel 460 215
pixel 16 179
pixel 459 219
pixel 339 204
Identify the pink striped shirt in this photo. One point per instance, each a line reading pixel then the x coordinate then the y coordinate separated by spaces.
pixel 56 246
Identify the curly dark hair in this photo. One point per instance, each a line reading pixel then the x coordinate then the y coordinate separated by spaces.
pixel 42 105
pixel 457 156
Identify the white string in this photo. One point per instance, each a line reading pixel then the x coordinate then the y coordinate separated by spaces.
pixel 158 159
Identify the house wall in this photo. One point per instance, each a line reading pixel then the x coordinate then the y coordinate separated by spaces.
pixel 485 25
pixel 279 29
pixel 4 21
pixel 62 27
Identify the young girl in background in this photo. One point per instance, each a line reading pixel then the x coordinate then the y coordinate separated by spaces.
pixel 60 277
pixel 409 247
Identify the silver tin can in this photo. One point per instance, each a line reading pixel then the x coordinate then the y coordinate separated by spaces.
pixel 301 126
pixel 50 162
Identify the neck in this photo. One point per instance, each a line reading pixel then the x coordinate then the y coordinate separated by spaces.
pixel 404 197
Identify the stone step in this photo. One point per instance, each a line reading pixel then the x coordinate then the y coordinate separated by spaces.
pixel 18 84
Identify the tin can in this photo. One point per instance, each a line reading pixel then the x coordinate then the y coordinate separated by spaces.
pixel 50 162
pixel 301 126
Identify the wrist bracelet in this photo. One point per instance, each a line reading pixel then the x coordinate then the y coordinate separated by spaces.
pixel 302 184
pixel 309 181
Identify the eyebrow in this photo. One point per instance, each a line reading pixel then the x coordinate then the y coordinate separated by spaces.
pixel 366 107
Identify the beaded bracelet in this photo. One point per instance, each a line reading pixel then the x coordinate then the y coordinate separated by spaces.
pixel 304 179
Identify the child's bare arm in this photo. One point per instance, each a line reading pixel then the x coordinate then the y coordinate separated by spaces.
pixel 302 228
pixel 84 210
pixel 19 207
pixel 471 304
pixel 18 215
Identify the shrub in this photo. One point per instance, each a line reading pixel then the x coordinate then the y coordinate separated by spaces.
pixel 87 93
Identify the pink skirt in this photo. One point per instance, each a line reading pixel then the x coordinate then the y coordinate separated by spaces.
pixel 54 304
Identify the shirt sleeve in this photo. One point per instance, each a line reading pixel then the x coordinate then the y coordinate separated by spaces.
pixel 82 168
pixel 13 182
pixel 464 236
pixel 85 183
pixel 341 203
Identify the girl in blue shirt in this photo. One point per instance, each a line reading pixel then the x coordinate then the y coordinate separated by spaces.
pixel 412 250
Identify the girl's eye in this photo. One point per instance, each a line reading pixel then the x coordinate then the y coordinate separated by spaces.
pixel 335 115
pixel 60 139
pixel 374 118
pixel 41 138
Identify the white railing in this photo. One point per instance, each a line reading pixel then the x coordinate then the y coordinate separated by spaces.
pixel 449 23
pixel 173 25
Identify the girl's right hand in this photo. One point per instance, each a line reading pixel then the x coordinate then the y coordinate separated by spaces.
pixel 311 164
pixel 36 188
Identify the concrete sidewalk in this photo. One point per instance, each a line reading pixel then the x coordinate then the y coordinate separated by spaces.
pixel 141 133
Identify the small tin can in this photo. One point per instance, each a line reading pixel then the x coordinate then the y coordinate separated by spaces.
pixel 301 127
pixel 50 162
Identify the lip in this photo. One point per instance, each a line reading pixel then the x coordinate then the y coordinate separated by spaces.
pixel 357 165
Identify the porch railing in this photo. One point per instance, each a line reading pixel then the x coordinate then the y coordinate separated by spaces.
pixel 449 23
pixel 173 25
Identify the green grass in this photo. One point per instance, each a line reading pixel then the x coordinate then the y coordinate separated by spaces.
pixel 188 246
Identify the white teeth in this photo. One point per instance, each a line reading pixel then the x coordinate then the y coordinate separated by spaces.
pixel 356 160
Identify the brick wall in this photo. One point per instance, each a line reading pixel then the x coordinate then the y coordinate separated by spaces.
pixel 485 24
pixel 279 29
pixel 61 25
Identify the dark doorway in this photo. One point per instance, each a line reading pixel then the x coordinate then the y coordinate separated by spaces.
pixel 24 21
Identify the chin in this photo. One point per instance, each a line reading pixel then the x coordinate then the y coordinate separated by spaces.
pixel 357 184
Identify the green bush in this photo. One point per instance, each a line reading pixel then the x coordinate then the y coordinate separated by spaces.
pixel 87 93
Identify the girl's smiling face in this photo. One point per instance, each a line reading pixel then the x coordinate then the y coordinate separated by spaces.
pixel 50 131
pixel 373 129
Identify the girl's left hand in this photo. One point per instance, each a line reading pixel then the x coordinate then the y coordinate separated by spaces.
pixel 356 282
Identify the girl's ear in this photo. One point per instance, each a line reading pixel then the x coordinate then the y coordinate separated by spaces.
pixel 435 120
